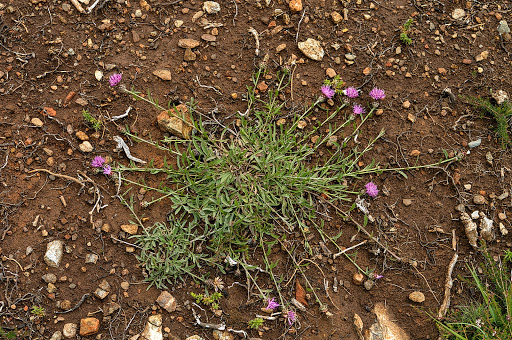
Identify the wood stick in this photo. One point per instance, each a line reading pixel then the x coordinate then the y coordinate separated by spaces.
pixel 447 287
pixel 78 6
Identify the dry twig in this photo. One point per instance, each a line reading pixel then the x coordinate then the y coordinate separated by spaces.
pixel 447 287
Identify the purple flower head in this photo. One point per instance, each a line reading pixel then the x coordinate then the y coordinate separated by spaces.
pixel 115 79
pixel 377 94
pixel 291 317
pixel 371 189
pixel 358 109
pixel 107 170
pixel 377 276
pixel 351 92
pixel 328 91
pixel 272 304
pixel 97 162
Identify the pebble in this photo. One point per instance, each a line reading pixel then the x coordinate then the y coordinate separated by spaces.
pixel 222 335
pixel 178 23
pixel 153 329
pixel 502 216
pixel 407 201
pixel 188 43
pixel 503 27
pixel 330 73
pixel 467 186
pixel 49 278
pixel 91 258
pixel 138 13
pixel 189 55
pixel 280 48
pixel 69 330
pixel 66 7
pixel 458 14
pixel 65 305
pixel 503 229
pixel 167 301
pixel 125 285
pixel 56 336
pixel 369 284
pixel 417 297
pixel 312 49
pixel 295 5
pixel 37 122
pixel 110 307
pixel 336 17
pixel 406 104
pixel 82 136
pixel 350 56
pixel 211 7
pixel 85 147
pixel 53 255
pixel 475 143
pixel 479 199
pixel 482 56
pixel 98 75
pixel 89 326
pixel 358 279
pixel 163 74
pixel 130 228
pixel 503 196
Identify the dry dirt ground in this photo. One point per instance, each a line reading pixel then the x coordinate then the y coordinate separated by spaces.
pixel 50 51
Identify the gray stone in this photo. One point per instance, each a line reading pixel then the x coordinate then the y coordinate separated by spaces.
pixel 91 258
pixel 503 27
pixel 85 147
pixel 368 284
pixel 475 143
pixel 54 251
pixel 49 278
pixel 479 199
pixel 167 301
pixel 69 330
pixel 407 201
pixel 222 335
pixel 312 49
pixel 458 14
pixel 56 336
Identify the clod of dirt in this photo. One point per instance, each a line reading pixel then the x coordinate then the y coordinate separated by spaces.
pixel 89 326
pixel 417 297
pixel 312 49
pixel 172 121
pixel 153 329
pixel 470 228
pixel 54 251
pixel 167 301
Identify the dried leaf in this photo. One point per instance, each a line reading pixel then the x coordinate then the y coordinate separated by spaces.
pixel 300 294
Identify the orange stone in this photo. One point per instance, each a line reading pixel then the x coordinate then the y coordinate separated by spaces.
pixel 296 5
pixel 89 326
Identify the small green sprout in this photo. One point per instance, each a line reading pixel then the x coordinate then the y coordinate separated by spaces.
pixel 89 119
pixel 255 323
pixel 404 38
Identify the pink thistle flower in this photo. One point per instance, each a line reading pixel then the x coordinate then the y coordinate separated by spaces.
pixel 291 317
pixel 328 91
pixel 97 162
pixel 377 276
pixel 377 94
pixel 351 92
pixel 371 189
pixel 272 304
pixel 107 170
pixel 115 79
pixel 357 109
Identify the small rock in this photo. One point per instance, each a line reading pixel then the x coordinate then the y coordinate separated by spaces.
pixel 482 56
pixel 82 102
pixel 69 330
pixel 222 335
pixel 479 199
pixel 468 186
pixel 350 56
pixel 194 337
pixel 110 307
pixel 82 136
pixel 369 284
pixel 211 7
pixel 89 326
pixel 153 329
pixel 336 17
pixel 125 285
pixel 53 255
pixel 85 147
pixel 358 279
pixel 406 104
pixel 503 196
pixel 475 143
pixel 163 74
pixel 188 43
pixel 407 201
pixel 138 13
pixel 330 73
pixel 417 297
pixel 209 37
pixel 262 87
pixel 503 229
pixel 500 96
pixel 65 305
pixel 503 27
pixel 130 228
pixel 312 49
pixel 502 216
pixel 280 48
pixel 37 122
pixel 51 288
pixel 175 122
pixel 49 278
pixel 56 336
pixel 91 258
pixel 331 140
pixel 458 14
pixel 189 55
pixel 467 61
pixel 167 301
pixel 178 23
pixel 101 293
pixel 415 153
pixel 475 214
pixel 295 5
pixel 98 75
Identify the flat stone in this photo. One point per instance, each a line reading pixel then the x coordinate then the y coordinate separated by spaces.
pixel 153 329
pixel 209 37
pixel 130 228
pixel 54 251
pixel 211 7
pixel 330 73
pixel 82 136
pixel 336 17
pixel 82 102
pixel 69 330
pixel 458 14
pixel 479 199
pixel 91 258
pixel 167 301
pixel 56 336
pixel 37 122
pixel 86 147
pixel 101 293
pixel 188 43
pixel 222 335
pixel 110 307
pixel 163 74
pixel 189 55
pixel 407 201
pixel 312 49
pixel 89 326
pixel 280 48
pixel 417 297
pixel 174 121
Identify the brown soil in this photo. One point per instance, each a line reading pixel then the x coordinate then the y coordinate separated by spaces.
pixel 47 52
